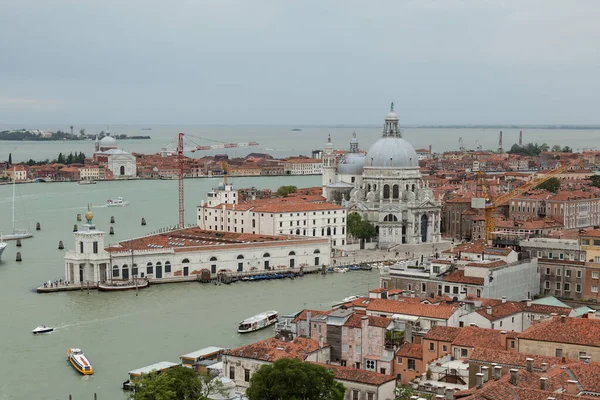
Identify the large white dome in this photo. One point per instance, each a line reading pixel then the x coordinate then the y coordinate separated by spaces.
pixel 108 141
pixel 392 152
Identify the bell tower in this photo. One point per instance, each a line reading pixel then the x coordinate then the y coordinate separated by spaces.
pixel 328 174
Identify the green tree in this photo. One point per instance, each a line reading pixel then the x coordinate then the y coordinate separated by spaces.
pixel 358 227
pixel 60 159
pixel 556 149
pixel 595 180
pixel 9 158
pixel 69 159
pixel 567 149
pixel 285 191
pixel 551 185
pixel 82 132
pixel 404 393
pixel 178 383
pixel 292 379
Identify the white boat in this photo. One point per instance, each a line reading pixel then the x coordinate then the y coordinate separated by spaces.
pixel 79 361
pixel 118 202
pixel 2 247
pixel 17 233
pixel 42 329
pixel 259 321
pixel 351 298
pixel 87 182
pixel 342 270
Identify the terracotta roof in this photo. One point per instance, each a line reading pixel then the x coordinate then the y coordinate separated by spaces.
pixel 502 310
pixel 273 349
pixel 487 264
pixel 459 277
pixel 443 333
pixel 512 358
pixel 302 203
pixel 358 375
pixel 441 311
pixel 581 331
pixel 588 376
pixel 591 233
pixel 474 337
pixel 313 313
pixel 410 350
pixel 355 321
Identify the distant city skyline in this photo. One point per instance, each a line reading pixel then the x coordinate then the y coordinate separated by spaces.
pixel 333 63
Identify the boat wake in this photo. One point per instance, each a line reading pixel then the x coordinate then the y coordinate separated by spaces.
pixel 93 321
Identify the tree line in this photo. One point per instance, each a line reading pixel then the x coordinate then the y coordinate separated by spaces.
pixel 534 149
pixel 72 158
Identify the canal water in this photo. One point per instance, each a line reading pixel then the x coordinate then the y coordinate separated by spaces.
pixel 118 331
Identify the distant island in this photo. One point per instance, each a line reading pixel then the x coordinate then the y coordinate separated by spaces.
pixel 296 130
pixel 39 135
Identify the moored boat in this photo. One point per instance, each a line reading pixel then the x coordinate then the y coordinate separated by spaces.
pixel 120 285
pixel 79 361
pixel 258 321
pixel 118 202
pixel 42 329
pixel 340 269
pixel 2 247
pixel 87 182
pixel 150 369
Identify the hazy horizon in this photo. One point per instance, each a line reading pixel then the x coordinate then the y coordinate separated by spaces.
pixel 311 63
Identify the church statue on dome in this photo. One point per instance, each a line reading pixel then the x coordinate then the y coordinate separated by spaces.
pixel 385 186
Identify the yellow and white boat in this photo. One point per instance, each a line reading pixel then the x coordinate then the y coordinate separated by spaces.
pixel 79 362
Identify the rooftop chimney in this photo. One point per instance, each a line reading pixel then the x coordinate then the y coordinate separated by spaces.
pixel 530 364
pixel 563 318
pixel 544 367
pixel 504 299
pixel 528 302
pixel 489 310
pixel 586 359
pixel 485 370
pixel 473 324
pixel 572 387
pixel 543 383
pixel 591 314
pixel 449 394
pixel 497 372
pixel 479 378
pixel 503 335
pixel 513 376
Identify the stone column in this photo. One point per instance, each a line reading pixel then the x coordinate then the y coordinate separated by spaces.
pixel 418 222
pixel 430 218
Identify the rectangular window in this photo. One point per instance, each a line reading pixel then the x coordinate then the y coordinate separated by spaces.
pixel 512 344
pixel 557 285
pixel 149 270
pixel 232 372
pixel 370 396
pixel 444 348
pixel 578 288
pixel 594 288
pixel 550 255
pixel 558 353
pixel 344 331
pixel 358 333
pixel 546 284
pixel 585 242
pixel 431 346
pixel 567 287
pixel 579 273
pixel 95 247
pixel 355 394
pixel 464 353
pixel 399 360
pixel 357 349
pixel 582 354
pixel 411 364
pixel 561 256
pixel 594 274
pixel 582 257
pixel 558 271
pixel 81 247
pixel 547 271
pixel 246 375
pixel 344 347
pixel 567 273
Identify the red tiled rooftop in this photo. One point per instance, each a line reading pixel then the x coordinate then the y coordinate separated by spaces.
pixel 358 375
pixel 459 277
pixel 581 331
pixel 441 311
pixel 410 350
pixel 273 349
pixel 443 333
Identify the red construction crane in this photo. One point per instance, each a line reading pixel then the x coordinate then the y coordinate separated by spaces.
pixel 181 160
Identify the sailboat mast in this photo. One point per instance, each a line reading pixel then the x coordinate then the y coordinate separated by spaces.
pixel 13 201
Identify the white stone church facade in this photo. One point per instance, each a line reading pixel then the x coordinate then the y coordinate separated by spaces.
pixel 386 188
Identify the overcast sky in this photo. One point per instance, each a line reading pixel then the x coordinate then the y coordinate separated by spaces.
pixel 299 62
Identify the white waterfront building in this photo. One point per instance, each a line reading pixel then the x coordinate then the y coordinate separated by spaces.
pixel 121 163
pixel 296 215
pixel 385 187
pixel 186 252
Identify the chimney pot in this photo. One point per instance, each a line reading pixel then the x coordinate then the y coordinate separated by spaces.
pixel 563 318
pixel 504 299
pixel 543 382
pixel 530 364
pixel 544 367
pixel 479 376
pixel 497 372
pixel 485 370
pixel 489 310
pixel 528 302
pixel 591 314
pixel 513 376
pixel 572 387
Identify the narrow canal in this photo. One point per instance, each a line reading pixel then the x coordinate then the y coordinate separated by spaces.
pixel 119 331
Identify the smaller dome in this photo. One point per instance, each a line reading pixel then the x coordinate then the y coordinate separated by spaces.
pixel 89 216
pixel 392 116
pixel 221 186
pixel 108 141
pixel 351 164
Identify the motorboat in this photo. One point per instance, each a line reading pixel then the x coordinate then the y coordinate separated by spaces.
pixel 42 329
pixel 87 182
pixel 118 202
pixel 120 285
pixel 339 269
pixel 351 298
pixel 2 247
pixel 258 321
pixel 79 361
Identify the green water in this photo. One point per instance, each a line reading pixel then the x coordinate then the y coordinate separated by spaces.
pixel 119 331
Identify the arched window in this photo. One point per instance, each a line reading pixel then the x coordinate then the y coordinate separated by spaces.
pixel 266 255
pixel 368 187
pixel 292 253
pixel 328 231
pixel 125 271
pixel 149 269
pixel 122 170
pixel 240 257
pixel 213 259
pixel 396 191
pixel 297 231
pixel 317 251
pixel 390 218
pixel 407 187
pixel 185 261
pixel 134 270
pixel 240 264
pixel 386 191
pixel 167 266
pixel 374 188
pixel 115 271
pixel 413 187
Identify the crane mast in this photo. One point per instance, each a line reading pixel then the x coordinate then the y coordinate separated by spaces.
pixel 180 179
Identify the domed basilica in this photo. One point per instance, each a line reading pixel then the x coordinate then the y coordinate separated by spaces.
pixel 385 187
